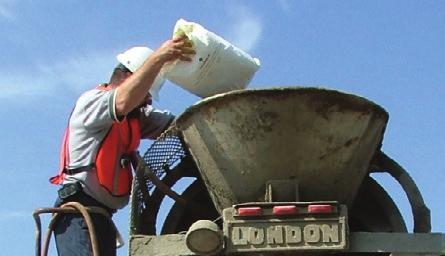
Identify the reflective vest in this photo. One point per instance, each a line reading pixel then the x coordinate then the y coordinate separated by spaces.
pixel 112 164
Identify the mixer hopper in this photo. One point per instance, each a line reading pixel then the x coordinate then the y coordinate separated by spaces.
pixel 323 139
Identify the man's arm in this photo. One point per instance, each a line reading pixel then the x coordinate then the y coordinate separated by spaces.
pixel 134 89
pixel 153 122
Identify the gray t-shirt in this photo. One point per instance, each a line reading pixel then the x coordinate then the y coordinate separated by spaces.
pixel 90 122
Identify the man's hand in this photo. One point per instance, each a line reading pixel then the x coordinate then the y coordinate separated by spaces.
pixel 173 49
pixel 133 90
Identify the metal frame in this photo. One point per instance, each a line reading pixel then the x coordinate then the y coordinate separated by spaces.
pixel 359 242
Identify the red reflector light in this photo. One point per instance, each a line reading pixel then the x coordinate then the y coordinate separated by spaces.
pixel 285 210
pixel 250 211
pixel 320 208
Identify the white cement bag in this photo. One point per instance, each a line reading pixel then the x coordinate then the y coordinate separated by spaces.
pixel 217 67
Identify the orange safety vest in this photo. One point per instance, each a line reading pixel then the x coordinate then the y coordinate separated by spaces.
pixel 112 166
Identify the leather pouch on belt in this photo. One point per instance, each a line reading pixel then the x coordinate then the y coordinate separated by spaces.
pixel 69 190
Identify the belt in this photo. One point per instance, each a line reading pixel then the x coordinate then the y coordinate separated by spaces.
pixel 79 169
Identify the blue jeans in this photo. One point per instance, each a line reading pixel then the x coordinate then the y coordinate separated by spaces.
pixel 71 231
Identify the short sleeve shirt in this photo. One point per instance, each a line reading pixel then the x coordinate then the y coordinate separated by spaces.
pixel 89 123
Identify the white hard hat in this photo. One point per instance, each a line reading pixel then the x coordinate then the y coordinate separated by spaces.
pixel 133 59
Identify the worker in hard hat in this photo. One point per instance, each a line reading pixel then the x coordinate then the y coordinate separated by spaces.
pixel 103 132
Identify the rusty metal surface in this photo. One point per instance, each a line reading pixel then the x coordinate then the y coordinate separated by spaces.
pixel 324 139
pixel 166 245
pixel 360 242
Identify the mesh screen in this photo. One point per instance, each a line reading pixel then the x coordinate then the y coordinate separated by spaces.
pixel 162 156
pixel 165 153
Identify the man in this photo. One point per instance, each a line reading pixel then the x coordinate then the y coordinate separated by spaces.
pixel 104 130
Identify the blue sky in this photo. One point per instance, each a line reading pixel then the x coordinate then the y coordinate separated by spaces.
pixel 391 52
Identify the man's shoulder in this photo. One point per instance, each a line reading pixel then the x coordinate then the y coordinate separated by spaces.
pixel 93 94
pixel 92 109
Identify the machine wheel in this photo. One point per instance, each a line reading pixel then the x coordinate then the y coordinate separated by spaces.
pixel 199 207
pixel 374 210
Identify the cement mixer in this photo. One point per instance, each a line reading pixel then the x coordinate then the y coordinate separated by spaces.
pixel 280 171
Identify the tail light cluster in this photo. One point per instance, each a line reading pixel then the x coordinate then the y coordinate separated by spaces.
pixel 285 210
pixel 250 211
